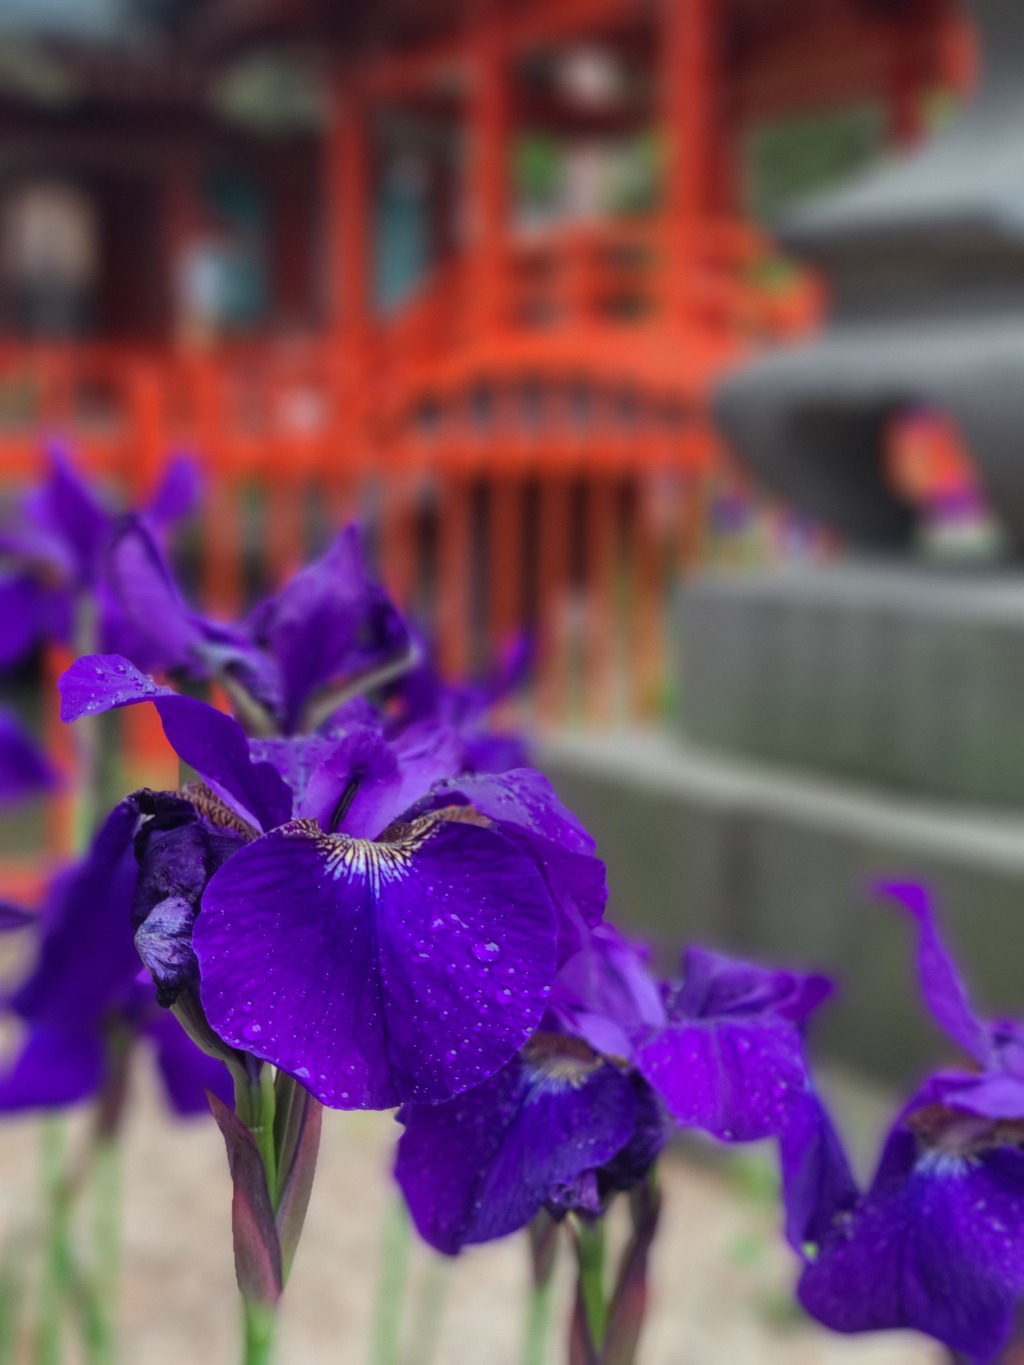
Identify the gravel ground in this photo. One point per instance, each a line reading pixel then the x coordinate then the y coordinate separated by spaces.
pixel 721 1277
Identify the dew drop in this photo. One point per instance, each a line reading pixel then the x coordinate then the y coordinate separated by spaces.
pixel 486 952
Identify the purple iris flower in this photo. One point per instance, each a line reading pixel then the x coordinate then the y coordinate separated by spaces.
pixel 25 769
pixel 606 994
pixel 53 553
pixel 934 1244
pixel 84 994
pixel 466 707
pixel 560 1127
pixel 387 930
pixel 540 1133
pixel 295 659
pixel 729 1057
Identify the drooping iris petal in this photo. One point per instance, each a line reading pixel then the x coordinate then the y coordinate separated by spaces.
pixel 524 806
pixel 209 741
pixel 87 958
pixel 941 986
pixel 25 769
pixel 817 1183
pixel 737 1078
pixel 331 621
pixel 935 1245
pixel 378 972
pixel 58 1065
pixel 484 1164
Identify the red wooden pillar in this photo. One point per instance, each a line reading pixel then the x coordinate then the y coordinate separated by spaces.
pixel 348 208
pixel 348 180
pixel 687 100
pixel 488 169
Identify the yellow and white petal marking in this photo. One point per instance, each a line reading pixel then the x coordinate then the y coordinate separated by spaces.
pixel 379 863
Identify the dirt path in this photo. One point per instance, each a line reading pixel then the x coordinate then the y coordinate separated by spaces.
pixel 721 1276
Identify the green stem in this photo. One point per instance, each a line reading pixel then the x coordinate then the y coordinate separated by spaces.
pixel 255 1103
pixel 391 1282
pixel 538 1324
pixel 543 1241
pixel 260 1325
pixel 106 1190
pixel 590 1254
pixel 57 1270
pixel 428 1308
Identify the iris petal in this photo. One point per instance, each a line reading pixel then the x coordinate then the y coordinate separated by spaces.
pixel 736 1078
pixel 482 1165
pixel 378 972
pixel 941 986
pixel 935 1246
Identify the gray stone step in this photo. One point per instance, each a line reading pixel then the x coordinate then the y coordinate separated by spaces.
pixel 780 866
pixel 910 677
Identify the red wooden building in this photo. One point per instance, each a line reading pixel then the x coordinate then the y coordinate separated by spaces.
pixel 526 411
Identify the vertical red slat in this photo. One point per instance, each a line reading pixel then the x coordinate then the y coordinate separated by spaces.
pixel 599 643
pixel 554 536
pixel 398 550
pixel 646 644
pixel 454 569
pixel 505 560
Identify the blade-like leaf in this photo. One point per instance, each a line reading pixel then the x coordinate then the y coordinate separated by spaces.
pixel 257 1248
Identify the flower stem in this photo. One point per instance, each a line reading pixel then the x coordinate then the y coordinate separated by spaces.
pixel 391 1282
pixel 255 1102
pixel 590 1259
pixel 538 1325
pixel 106 1243
pixel 543 1235
pixel 260 1325
pixel 57 1267
pixel 428 1308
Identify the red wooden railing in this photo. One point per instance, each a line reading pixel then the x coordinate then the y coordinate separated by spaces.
pixel 539 463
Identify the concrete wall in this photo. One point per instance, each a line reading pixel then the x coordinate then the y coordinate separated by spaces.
pixel 908 677
pixel 775 864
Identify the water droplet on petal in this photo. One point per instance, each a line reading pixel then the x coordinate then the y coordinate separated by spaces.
pixel 486 952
